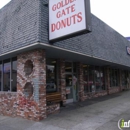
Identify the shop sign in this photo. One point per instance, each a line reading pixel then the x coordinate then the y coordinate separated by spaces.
pixel 128 50
pixel 68 17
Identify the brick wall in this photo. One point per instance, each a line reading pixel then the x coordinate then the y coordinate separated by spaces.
pixel 33 106
pixel 24 22
pixel 62 82
pixel 114 90
pixel 52 109
pixel 8 104
pixel 82 97
pixel 95 94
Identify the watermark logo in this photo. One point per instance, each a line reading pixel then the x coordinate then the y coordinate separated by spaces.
pixel 122 124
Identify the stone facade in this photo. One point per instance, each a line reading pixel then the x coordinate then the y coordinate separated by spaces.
pixel 31 106
pixel 95 94
pixel 23 25
pixel 114 90
pixel 52 109
pixel 82 97
pixel 109 90
pixel 30 100
pixel 62 82
pixel 8 104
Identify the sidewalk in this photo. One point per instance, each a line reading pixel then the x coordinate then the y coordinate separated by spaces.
pixel 96 114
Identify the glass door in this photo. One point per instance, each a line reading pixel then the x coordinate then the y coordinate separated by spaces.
pixel 69 88
pixel 71 82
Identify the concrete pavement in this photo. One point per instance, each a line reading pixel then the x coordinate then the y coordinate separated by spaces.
pixel 97 114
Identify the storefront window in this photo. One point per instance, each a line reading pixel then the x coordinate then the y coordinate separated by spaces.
pixel 68 66
pixel 0 76
pixel 86 73
pixel 69 86
pixel 114 81
pixel 93 78
pixel 74 68
pixel 99 79
pixel 51 82
pixel 71 81
pixel 124 78
pixel 6 75
pixel 91 83
pixel 102 78
pixel 14 75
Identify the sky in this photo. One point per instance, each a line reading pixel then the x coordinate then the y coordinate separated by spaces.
pixel 116 13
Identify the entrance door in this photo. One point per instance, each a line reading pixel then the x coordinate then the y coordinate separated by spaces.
pixel 71 82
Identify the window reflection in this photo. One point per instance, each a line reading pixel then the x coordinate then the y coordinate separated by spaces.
pixel 51 81
pixel 86 77
pixel 94 79
pixel 91 79
pixel 69 86
pixel 74 68
pixel 14 75
pixel 68 66
pixel 0 77
pixel 99 79
pixel 114 78
pixel 124 78
pixel 6 75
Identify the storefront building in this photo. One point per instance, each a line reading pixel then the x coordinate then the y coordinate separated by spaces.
pixel 37 76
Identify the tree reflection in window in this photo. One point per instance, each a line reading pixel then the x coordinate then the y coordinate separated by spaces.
pixel 51 75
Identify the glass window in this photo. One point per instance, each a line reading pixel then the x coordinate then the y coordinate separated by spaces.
pixel 102 76
pixel 86 73
pixel 114 80
pixel 51 80
pixel 91 83
pixel 6 75
pixel 69 86
pixel 68 67
pixel 116 77
pixel 14 75
pixel 124 78
pixel 74 68
pixel 94 79
pixel 97 78
pixel 0 77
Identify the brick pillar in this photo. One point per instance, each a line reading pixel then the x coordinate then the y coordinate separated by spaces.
pixel 31 85
pixel 62 82
pixel 80 81
pixel 120 80
pixel 107 79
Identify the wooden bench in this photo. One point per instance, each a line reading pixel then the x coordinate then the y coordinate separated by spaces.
pixel 52 98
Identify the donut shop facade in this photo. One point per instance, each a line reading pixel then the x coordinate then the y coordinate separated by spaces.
pixel 53 53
